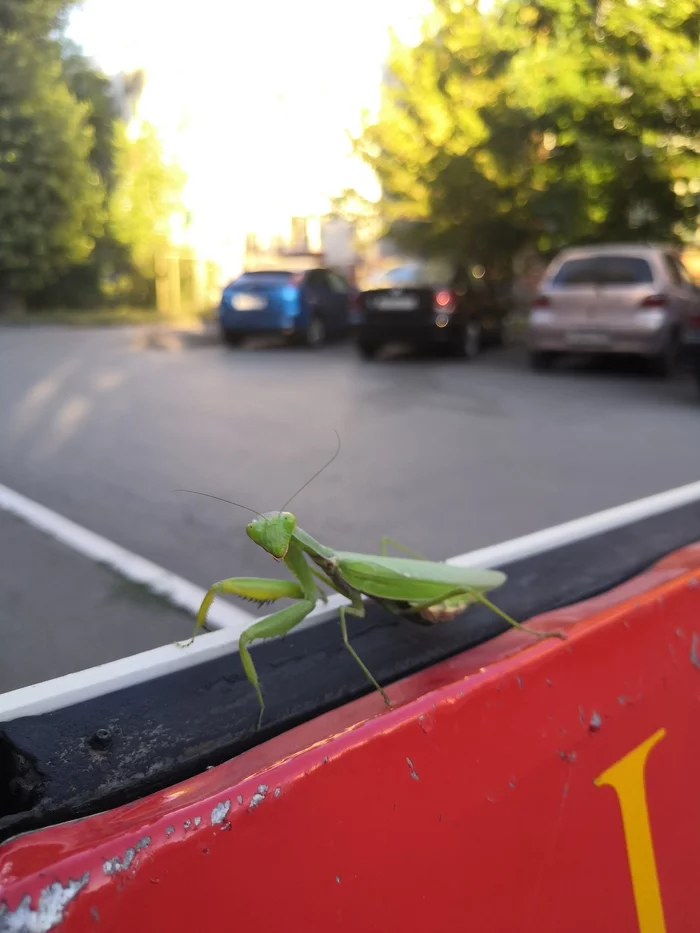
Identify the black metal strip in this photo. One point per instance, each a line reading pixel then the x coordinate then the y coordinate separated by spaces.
pixel 107 751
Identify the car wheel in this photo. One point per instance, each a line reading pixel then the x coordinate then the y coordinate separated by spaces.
pixel 367 349
pixel 231 337
pixel 542 359
pixel 664 363
pixel 468 341
pixel 316 333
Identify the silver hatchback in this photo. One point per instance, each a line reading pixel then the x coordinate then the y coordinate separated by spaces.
pixel 612 299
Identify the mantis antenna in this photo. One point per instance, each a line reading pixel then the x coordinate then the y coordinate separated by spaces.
pixel 317 473
pixel 220 499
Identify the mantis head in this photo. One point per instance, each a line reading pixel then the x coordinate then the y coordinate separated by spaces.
pixel 273 532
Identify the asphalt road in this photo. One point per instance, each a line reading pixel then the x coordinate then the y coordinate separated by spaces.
pixel 445 456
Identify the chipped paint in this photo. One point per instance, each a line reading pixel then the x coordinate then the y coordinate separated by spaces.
pixel 278 791
pixel 114 865
pixel 218 814
pixel 412 770
pixel 197 820
pixel 258 797
pixel 519 682
pixel 48 914
pixel 337 879
pixel 95 914
pixel 186 825
pixel 170 830
pixel 325 759
pixel 694 659
pixel 595 722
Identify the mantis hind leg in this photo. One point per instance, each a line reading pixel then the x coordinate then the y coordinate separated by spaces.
pixel 477 596
pixel 357 609
pixel 504 615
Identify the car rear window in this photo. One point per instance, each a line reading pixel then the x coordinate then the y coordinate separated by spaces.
pixel 604 270
pixel 432 274
pixel 264 278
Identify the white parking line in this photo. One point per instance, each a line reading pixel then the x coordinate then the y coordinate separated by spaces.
pixel 95 681
pixel 176 589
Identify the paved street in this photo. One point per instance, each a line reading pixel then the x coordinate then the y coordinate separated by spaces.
pixel 103 425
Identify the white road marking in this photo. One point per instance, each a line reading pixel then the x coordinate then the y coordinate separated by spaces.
pixel 500 555
pixel 96 681
pixel 176 589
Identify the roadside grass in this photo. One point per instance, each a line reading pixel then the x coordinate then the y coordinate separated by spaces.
pixel 105 317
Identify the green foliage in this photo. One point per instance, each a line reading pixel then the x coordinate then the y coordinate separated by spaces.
pixel 146 197
pixel 93 88
pixel 34 19
pixel 83 208
pixel 51 197
pixel 549 122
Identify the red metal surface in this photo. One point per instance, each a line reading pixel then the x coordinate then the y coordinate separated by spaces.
pixel 548 787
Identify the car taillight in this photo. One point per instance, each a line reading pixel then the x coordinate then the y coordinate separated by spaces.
pixel 444 301
pixel 654 301
pixel 542 301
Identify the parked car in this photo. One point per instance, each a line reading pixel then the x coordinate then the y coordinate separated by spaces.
pixel 690 339
pixel 307 307
pixel 624 298
pixel 430 303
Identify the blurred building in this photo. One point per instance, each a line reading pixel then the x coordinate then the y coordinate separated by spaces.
pixel 301 243
pixel 127 90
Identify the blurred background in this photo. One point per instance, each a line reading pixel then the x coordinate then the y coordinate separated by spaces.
pixel 305 219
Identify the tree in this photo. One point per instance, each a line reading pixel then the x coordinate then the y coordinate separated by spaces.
pixel 91 87
pixel 51 196
pixel 146 197
pixel 548 122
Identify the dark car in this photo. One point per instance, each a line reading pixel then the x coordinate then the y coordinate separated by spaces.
pixel 306 307
pixel 431 303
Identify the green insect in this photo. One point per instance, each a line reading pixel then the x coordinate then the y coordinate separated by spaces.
pixel 427 591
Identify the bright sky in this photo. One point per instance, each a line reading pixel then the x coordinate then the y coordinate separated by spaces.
pixel 255 100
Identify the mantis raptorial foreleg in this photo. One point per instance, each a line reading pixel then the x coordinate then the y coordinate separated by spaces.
pixel 259 589
pixel 279 623
pixel 323 579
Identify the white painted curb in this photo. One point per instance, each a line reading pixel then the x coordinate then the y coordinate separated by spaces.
pixel 73 688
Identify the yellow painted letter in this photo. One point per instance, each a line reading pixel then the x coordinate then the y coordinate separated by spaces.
pixel 626 777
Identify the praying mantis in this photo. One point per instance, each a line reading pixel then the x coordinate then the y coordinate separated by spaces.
pixel 427 591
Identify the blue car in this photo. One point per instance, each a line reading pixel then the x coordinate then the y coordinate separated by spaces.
pixel 306 307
